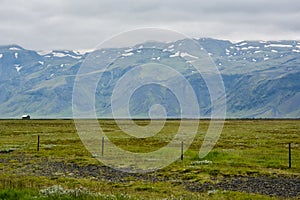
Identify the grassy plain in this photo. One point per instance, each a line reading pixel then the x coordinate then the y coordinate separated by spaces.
pixel 246 148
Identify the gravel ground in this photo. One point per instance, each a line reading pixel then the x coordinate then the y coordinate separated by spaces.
pixel 281 186
pixel 96 172
pixel 286 187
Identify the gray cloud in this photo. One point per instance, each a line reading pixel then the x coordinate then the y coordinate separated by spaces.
pixel 76 24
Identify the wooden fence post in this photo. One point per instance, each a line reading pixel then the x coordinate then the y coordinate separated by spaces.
pixel 290 156
pixel 38 143
pixel 102 146
pixel 181 157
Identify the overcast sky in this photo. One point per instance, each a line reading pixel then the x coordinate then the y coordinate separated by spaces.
pixel 82 24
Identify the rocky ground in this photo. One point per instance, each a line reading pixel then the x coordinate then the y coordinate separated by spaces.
pixel 281 186
pixel 286 187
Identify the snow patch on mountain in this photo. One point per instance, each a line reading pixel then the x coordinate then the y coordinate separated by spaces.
pixel 128 54
pixel 279 45
pixel 65 54
pixel 175 55
pixel 43 53
pixel 184 54
pixel 60 55
pixel 157 58
pixel 83 51
pixel 128 50
pixel 18 67
pixel 242 44
pixel 14 49
pixel 296 50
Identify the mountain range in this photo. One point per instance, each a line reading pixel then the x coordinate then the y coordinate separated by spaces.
pixel 261 78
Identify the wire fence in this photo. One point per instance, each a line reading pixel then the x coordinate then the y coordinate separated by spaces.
pixel 283 156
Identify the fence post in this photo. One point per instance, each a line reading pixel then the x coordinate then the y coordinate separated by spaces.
pixel 38 143
pixel 181 157
pixel 102 146
pixel 290 156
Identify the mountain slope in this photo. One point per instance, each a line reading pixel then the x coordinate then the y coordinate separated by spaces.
pixel 261 78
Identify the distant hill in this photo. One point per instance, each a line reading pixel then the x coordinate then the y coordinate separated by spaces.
pixel 261 78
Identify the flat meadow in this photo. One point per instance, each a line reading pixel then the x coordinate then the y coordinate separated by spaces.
pixel 249 161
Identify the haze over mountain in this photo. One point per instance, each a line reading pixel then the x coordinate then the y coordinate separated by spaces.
pixel 261 79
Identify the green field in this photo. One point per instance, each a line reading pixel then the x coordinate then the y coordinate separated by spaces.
pixel 249 161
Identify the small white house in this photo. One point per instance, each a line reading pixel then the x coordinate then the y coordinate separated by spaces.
pixel 25 116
